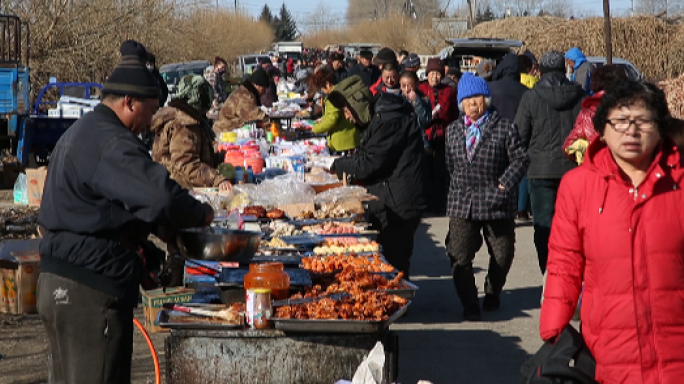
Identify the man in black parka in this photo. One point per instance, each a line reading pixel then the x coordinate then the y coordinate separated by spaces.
pixel 104 195
pixel 545 117
pixel 390 163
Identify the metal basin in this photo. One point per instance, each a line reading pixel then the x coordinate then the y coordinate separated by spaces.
pixel 220 245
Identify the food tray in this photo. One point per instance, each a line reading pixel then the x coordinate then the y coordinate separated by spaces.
pixel 164 320
pixel 235 277
pixel 303 240
pixel 337 326
pixel 407 293
pixel 304 222
pixel 286 259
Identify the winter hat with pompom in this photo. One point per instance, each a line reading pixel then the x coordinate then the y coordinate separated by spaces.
pixel 131 76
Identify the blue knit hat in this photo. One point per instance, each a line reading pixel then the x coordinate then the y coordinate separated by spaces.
pixel 471 85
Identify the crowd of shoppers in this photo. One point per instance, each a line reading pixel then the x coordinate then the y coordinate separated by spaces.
pixel 593 148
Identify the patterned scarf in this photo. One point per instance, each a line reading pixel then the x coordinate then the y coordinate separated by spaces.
pixel 473 133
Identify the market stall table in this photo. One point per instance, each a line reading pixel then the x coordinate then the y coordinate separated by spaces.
pixel 272 356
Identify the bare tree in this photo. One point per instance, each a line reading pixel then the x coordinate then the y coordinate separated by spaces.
pixel 319 19
pixel 657 7
pixel 361 10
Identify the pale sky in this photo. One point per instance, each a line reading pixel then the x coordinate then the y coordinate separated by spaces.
pixel 300 8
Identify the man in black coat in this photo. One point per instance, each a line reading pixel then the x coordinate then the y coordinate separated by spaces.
pixel 390 163
pixel 545 117
pixel 337 62
pixel 104 195
pixel 368 72
pixel 506 89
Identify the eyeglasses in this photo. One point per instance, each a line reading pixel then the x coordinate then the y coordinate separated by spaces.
pixel 622 125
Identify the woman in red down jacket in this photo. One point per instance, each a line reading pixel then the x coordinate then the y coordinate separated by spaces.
pixel 443 96
pixel 601 78
pixel 619 227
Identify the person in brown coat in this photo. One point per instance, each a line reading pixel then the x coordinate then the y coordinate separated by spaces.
pixel 244 104
pixel 183 141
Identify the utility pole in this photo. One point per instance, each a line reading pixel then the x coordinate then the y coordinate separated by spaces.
pixel 607 32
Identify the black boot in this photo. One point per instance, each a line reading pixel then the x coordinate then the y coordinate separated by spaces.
pixel 464 281
pixel 491 303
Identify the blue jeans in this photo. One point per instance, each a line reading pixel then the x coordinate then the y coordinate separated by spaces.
pixel 543 198
pixel 523 196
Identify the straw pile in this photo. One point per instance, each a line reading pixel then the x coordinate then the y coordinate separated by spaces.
pixel 674 91
pixel 654 46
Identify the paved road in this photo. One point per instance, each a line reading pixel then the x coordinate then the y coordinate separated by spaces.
pixel 436 345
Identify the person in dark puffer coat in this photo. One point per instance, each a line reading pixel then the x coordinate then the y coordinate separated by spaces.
pixel 545 117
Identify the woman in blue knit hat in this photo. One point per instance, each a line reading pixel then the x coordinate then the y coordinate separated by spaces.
pixel 486 161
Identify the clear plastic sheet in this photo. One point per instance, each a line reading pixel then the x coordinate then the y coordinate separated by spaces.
pixel 285 189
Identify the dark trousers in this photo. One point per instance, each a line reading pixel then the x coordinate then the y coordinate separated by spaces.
pixel 90 333
pixel 523 196
pixel 396 237
pixel 464 240
pixel 543 197
pixel 439 178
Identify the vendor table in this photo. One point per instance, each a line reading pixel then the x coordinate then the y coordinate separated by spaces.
pixel 271 356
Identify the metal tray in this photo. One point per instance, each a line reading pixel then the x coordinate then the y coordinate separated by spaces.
pixel 407 293
pixel 337 326
pixel 231 277
pixel 292 259
pixel 303 240
pixel 304 222
pixel 164 320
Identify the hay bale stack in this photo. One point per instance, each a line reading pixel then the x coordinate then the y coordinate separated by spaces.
pixel 674 91
pixel 650 43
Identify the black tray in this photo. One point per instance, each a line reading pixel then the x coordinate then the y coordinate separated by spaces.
pixel 235 277
pixel 288 260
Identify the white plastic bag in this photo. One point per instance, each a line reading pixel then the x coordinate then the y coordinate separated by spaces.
pixel 372 368
pixel 20 190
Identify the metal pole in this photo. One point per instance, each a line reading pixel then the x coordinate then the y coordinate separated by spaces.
pixel 607 32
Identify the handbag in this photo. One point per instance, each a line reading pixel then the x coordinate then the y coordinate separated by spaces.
pixel 566 361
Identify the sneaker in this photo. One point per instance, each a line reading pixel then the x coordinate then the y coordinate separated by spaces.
pixel 472 313
pixel 491 303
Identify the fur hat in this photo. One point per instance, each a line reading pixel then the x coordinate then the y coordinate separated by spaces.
pixel 385 56
pixel 131 76
pixel 336 56
pixel 435 64
pixel 259 77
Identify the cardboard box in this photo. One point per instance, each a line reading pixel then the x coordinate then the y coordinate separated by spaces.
pixel 35 182
pixel 18 283
pixel 154 300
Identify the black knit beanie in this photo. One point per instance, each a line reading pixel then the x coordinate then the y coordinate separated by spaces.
pixel 385 56
pixel 259 77
pixel 131 76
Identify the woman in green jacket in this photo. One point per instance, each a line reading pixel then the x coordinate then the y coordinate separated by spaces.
pixel 342 134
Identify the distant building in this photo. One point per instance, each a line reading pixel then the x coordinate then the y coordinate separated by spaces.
pixel 450 26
